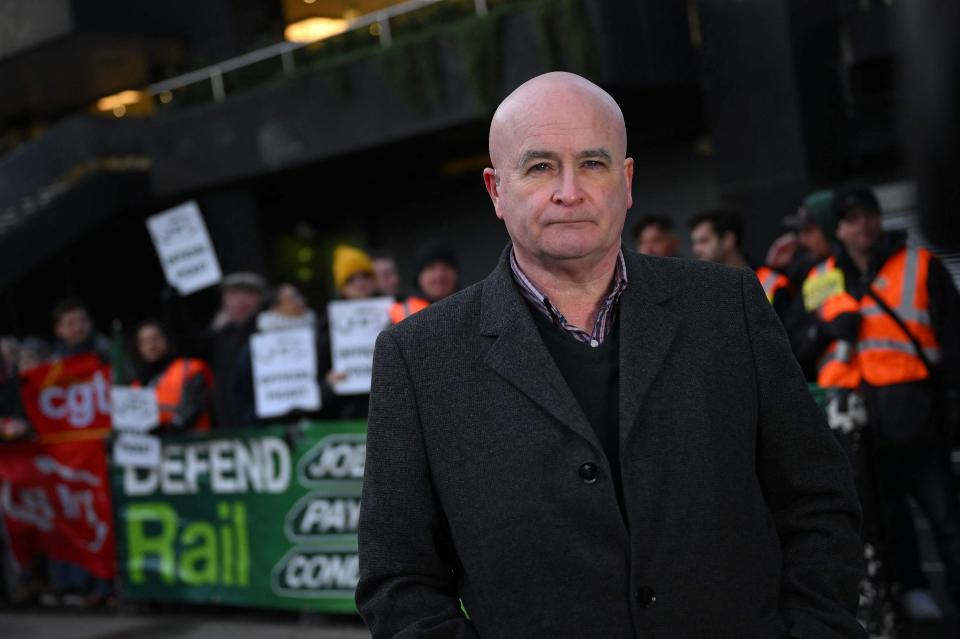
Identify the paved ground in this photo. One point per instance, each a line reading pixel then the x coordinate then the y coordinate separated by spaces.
pixel 41 624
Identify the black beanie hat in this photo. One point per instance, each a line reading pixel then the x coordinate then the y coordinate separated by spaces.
pixel 430 251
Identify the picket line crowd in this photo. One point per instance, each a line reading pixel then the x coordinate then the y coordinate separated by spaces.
pixel 874 321
pixel 202 381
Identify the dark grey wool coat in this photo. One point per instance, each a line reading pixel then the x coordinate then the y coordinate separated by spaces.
pixel 742 520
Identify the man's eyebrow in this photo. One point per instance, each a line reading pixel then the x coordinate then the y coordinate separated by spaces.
pixel 595 153
pixel 538 154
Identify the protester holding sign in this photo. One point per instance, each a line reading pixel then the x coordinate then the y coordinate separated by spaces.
pixel 354 277
pixel 183 385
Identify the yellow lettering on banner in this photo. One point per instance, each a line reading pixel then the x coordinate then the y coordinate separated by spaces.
pixel 817 289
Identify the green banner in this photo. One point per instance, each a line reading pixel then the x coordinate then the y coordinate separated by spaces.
pixel 264 517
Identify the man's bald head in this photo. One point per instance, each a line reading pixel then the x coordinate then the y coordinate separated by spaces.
pixel 531 103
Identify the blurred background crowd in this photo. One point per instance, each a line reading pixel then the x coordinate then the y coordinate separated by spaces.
pixel 335 147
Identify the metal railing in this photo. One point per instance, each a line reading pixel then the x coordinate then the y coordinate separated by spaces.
pixel 214 73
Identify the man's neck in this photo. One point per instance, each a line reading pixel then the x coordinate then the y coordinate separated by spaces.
pixel 576 288
pixel 860 259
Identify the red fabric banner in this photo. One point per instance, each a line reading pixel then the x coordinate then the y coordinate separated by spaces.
pixel 55 501
pixel 67 397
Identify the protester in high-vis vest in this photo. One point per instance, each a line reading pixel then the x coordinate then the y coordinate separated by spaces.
pixel 183 385
pixel 716 237
pixel 436 276
pixel 885 321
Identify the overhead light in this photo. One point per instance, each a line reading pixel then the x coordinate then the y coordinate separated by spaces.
pixel 120 100
pixel 313 29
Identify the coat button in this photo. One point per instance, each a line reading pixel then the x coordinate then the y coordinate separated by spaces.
pixel 645 596
pixel 588 472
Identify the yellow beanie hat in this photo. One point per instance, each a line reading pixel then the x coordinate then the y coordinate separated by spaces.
pixel 347 262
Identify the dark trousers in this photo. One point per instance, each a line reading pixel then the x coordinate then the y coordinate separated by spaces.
pixel 921 471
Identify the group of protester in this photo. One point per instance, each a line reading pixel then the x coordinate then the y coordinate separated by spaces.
pixel 875 324
pixel 203 380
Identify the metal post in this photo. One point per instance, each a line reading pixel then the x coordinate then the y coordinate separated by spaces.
pixel 481 7
pixel 216 82
pixel 286 59
pixel 385 38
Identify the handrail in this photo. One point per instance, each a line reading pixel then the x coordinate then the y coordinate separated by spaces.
pixel 213 73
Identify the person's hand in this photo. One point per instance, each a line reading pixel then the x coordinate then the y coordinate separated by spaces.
pixel 844 327
pixel 782 251
pixel 334 377
pixel 13 428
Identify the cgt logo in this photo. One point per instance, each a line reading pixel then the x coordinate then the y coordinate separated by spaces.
pixel 333 459
pixel 77 404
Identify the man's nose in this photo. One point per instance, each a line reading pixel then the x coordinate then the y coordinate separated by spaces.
pixel 568 188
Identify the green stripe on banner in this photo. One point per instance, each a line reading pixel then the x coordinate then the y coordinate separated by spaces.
pixel 264 517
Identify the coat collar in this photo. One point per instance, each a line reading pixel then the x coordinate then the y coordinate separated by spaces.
pixel 647 329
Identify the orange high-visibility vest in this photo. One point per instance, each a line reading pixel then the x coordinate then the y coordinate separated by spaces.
pixel 771 281
pixel 883 354
pixel 402 310
pixel 169 389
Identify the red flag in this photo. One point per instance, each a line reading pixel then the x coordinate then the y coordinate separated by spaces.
pixel 55 502
pixel 68 397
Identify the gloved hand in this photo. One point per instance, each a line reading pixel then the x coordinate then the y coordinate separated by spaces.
pixel 844 327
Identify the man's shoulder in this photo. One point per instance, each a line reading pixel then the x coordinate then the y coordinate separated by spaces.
pixel 687 276
pixel 452 317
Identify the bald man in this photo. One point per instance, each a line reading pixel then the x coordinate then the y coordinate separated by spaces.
pixel 593 443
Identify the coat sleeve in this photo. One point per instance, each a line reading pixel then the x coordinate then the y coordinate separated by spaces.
pixel 407 586
pixel 808 485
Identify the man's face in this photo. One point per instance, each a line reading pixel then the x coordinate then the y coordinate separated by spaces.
pixel 562 185
pixel 388 280
pixel 812 238
pixel 240 304
pixel 859 229
pixel 437 280
pixel 359 286
pixel 74 327
pixel 654 240
pixel 707 245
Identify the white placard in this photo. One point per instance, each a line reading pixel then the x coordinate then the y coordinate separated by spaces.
pixel 285 371
pixel 354 326
pixel 136 449
pixel 134 409
pixel 183 245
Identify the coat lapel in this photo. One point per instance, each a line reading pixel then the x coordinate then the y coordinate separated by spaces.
pixel 647 328
pixel 519 355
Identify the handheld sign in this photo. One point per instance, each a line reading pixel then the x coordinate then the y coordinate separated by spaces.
pixel 134 409
pixel 136 449
pixel 354 326
pixel 285 371
pixel 183 245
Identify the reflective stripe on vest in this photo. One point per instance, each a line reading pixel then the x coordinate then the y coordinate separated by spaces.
pixel 884 354
pixel 771 281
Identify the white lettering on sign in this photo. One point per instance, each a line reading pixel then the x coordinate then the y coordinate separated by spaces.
pixel 330 515
pixel 305 573
pixel 78 404
pixel 231 466
pixel 334 458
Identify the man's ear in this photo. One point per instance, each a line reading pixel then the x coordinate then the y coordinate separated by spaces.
pixel 628 176
pixel 492 181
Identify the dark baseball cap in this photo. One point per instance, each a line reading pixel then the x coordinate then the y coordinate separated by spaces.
pixel 855 197
pixel 816 209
